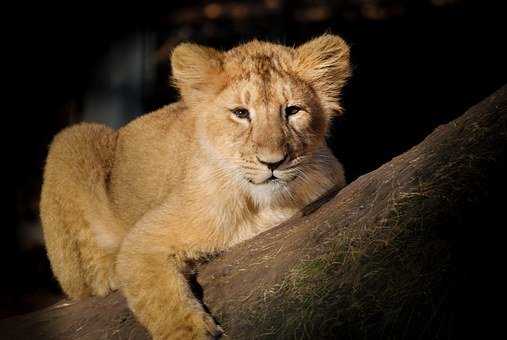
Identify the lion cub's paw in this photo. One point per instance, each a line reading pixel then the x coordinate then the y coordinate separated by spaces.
pixel 197 326
pixel 212 328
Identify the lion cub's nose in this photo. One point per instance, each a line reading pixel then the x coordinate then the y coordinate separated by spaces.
pixel 272 164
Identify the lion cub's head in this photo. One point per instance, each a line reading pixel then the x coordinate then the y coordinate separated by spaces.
pixel 262 109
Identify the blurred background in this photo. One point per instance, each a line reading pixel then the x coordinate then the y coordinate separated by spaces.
pixel 417 64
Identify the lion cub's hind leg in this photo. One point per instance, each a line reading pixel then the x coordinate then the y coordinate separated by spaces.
pixel 75 174
pixel 63 251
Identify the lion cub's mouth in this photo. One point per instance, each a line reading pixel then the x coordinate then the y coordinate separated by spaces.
pixel 269 180
pixel 274 180
pixel 281 176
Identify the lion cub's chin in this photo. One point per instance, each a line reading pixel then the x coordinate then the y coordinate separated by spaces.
pixel 268 191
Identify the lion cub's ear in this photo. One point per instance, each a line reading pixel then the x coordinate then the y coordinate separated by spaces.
pixel 196 69
pixel 325 63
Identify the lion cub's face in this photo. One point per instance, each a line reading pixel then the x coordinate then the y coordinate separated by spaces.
pixel 263 124
pixel 263 109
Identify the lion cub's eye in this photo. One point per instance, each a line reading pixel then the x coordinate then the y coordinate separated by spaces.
pixel 241 113
pixel 292 110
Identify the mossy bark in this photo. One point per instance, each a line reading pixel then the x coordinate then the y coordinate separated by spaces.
pixel 376 260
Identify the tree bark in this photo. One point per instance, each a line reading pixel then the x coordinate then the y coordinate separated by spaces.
pixel 377 259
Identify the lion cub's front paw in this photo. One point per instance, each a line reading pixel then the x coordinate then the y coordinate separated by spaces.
pixel 212 329
pixel 197 326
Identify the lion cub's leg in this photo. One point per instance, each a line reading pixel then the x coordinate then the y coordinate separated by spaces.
pixel 151 272
pixel 82 268
pixel 74 180
pixel 63 251
pixel 98 266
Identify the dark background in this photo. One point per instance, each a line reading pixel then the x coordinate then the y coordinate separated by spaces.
pixel 417 64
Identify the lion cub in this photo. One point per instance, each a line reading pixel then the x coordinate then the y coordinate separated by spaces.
pixel 242 151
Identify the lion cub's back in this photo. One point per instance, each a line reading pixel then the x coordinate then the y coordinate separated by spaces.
pixel 151 154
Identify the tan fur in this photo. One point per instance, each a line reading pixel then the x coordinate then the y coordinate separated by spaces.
pixel 128 208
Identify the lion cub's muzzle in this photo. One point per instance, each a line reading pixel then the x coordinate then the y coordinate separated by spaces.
pixel 275 170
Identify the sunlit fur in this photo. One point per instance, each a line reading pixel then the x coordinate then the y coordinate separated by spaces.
pixel 128 208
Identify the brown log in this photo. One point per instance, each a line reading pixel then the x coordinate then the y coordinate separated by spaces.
pixel 374 260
